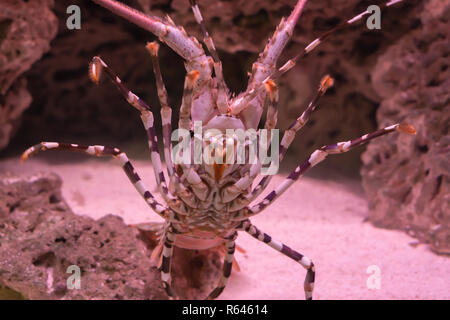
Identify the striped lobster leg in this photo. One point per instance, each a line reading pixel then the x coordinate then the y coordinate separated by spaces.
pixel 234 190
pixel 287 251
pixel 222 96
pixel 199 188
pixel 167 252
pixel 290 133
pixel 230 246
pixel 272 108
pixel 166 116
pixel 185 121
pixel 258 87
pixel 231 192
pixel 318 156
pixel 97 150
pixel 95 68
pixel 166 110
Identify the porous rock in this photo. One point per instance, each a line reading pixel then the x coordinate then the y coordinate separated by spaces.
pixel 26 29
pixel 40 238
pixel 407 179
pixel 12 105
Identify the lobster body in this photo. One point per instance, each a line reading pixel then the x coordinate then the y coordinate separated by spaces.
pixel 209 196
pixel 216 192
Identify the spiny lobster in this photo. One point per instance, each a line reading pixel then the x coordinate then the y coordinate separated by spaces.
pixel 207 203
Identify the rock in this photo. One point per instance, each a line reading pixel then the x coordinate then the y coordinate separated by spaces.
pixel 40 237
pixel 68 106
pixel 440 239
pixel 26 29
pixel 407 180
pixel 12 105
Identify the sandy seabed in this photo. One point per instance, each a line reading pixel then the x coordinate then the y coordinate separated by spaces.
pixel 322 219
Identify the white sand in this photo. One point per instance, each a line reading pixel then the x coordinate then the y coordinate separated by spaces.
pixel 320 218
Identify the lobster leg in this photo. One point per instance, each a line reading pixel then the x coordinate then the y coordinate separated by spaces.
pixel 222 97
pixel 166 116
pixel 242 184
pixel 227 267
pixel 166 264
pixel 166 110
pixel 237 188
pixel 272 109
pixel 289 134
pixel 186 105
pixel 98 151
pixel 287 251
pixel 316 157
pixel 206 37
pixel 96 67
pixel 199 188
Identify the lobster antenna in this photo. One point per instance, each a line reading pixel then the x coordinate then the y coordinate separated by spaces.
pixel 303 53
pixel 312 45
